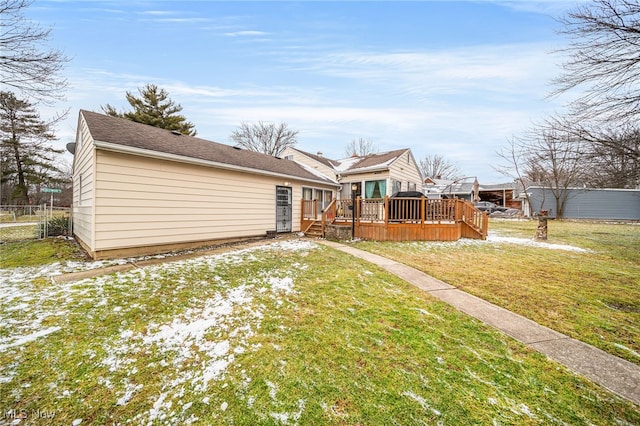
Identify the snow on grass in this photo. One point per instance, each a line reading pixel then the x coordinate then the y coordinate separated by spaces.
pixel 9 342
pixel 625 348
pixel 494 239
pixel 193 347
pixel 423 402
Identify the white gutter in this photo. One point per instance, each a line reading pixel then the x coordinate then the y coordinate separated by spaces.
pixel 124 149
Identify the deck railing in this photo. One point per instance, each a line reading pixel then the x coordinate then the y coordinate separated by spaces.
pixel 310 209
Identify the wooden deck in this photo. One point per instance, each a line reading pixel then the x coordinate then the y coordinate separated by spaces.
pixel 399 219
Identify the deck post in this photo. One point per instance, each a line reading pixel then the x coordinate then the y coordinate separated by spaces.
pixel 386 210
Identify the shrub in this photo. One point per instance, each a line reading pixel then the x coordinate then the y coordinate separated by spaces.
pixel 55 227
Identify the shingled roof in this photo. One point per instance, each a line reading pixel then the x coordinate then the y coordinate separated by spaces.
pixel 320 159
pixel 375 160
pixel 119 131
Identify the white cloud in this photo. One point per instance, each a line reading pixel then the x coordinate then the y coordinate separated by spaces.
pixel 514 69
pixel 546 7
pixel 245 33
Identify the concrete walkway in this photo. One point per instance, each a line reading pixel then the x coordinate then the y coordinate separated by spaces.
pixel 619 376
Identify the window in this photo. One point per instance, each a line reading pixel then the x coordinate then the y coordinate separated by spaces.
pixel 375 189
pixel 396 185
pixel 328 196
pixel 347 192
pixel 288 157
pixel 412 186
pixel 79 190
pixel 307 194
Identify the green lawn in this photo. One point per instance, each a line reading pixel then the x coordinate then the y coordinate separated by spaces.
pixel 592 295
pixel 18 233
pixel 38 252
pixel 292 333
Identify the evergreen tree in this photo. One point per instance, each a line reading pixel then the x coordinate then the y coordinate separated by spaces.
pixel 155 108
pixel 27 158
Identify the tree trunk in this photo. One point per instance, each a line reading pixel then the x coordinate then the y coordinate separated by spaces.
pixel 21 192
pixel 541 231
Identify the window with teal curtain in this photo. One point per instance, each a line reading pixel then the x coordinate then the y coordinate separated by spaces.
pixel 368 189
pixel 383 188
pixel 375 188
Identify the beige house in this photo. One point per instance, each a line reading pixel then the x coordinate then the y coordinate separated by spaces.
pixel 140 189
pixel 387 202
pixel 375 175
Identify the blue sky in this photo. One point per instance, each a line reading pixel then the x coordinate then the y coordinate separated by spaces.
pixel 453 78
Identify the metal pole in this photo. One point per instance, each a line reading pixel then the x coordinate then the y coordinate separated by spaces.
pixel 353 213
pixel 51 215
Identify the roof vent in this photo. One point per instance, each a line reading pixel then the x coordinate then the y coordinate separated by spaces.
pixel 177 133
pixel 237 147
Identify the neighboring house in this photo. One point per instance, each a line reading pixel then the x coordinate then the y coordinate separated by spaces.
pixel 140 189
pixel 371 212
pixel 501 194
pixel 375 175
pixel 586 203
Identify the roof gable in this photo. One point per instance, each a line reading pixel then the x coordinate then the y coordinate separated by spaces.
pixel 373 161
pixel 120 131
pixel 320 159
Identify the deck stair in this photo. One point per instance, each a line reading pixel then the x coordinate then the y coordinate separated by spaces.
pixel 314 230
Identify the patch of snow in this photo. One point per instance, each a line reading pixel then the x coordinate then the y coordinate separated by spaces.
pixel 284 417
pixel 281 284
pixel 130 390
pixel 423 402
pixel 623 347
pixel 533 243
pixel 9 377
pixel 526 411
pixel 273 389
pixel 9 342
pixel 346 163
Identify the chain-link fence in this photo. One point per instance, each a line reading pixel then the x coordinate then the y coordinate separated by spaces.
pixel 34 222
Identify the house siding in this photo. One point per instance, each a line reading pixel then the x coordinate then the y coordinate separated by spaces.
pixel 309 162
pixel 612 204
pixel 406 170
pixel 83 187
pixel 144 202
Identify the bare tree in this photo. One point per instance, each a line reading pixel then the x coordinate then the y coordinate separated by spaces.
pixel 604 59
pixel 436 166
pixel 26 64
pixel 267 138
pixel 610 155
pixel 550 157
pixel 360 147
pixel 514 157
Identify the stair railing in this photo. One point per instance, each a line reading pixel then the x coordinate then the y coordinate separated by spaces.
pixel 328 214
